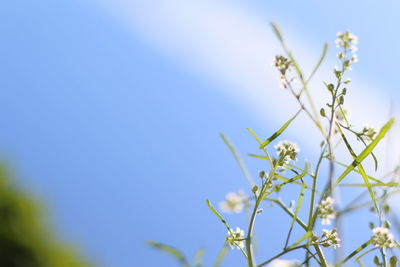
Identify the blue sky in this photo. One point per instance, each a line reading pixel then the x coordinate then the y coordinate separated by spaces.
pixel 111 109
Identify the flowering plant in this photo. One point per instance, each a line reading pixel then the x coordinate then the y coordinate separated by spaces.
pixel 318 194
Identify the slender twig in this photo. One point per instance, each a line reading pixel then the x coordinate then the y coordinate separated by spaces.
pixel 280 254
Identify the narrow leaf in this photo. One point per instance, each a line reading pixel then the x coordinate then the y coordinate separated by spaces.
pixel 221 256
pixel 367 150
pixel 370 177
pixel 393 261
pixel 258 156
pixel 360 168
pixel 301 239
pixel 198 257
pixel 238 159
pixel 171 251
pixel 298 206
pixel 297 177
pixel 254 135
pixel 218 215
pixel 225 223
pixel 268 158
pixel 373 185
pixel 277 31
pixel 352 254
pixel 322 57
pixel 279 132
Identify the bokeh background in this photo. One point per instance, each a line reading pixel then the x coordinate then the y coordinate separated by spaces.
pixel 110 111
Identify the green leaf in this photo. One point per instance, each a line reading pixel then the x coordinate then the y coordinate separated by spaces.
pixel 358 258
pixel 198 257
pixel 277 31
pixel 218 215
pixel 254 135
pixel 224 222
pixel 322 57
pixel 373 185
pixel 221 256
pixel 286 180
pixel 297 177
pixel 238 159
pixel 360 168
pixel 258 156
pixel 367 150
pixel 370 177
pixel 376 260
pixel 355 252
pixel 301 239
pixel 393 261
pixel 268 158
pixel 298 206
pixel 279 132
pixel 171 251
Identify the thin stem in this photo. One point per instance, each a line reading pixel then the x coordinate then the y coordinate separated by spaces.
pixel 249 247
pixel 314 186
pixel 303 107
pixel 259 199
pixel 305 227
pixel 280 254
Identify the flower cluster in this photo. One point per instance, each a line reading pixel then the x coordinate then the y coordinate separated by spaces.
pixel 368 132
pixel 283 65
pixel 287 151
pixel 235 239
pixel 234 202
pixel 348 42
pixel 330 238
pixel 326 210
pixel 341 114
pixel 382 237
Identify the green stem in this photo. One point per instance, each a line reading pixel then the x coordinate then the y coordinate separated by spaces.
pixel 280 254
pixel 249 247
pixel 321 255
pixel 314 186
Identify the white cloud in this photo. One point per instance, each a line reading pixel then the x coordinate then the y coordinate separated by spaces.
pixel 234 46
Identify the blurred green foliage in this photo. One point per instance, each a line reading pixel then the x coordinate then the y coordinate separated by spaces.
pixel 25 237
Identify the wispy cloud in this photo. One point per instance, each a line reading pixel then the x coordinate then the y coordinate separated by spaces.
pixel 234 46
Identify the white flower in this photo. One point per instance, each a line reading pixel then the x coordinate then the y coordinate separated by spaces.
pixel 341 114
pixel 330 238
pixel 347 40
pixel 284 263
pixel 287 151
pixel 234 202
pixel 353 49
pixel 382 237
pixel 368 132
pixel 326 210
pixel 235 238
pixel 281 63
